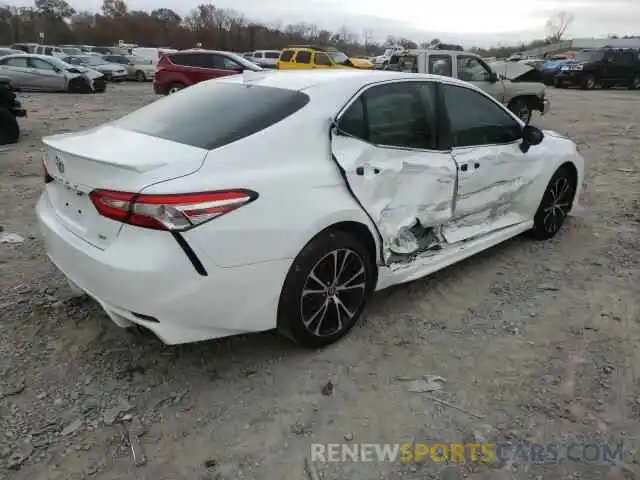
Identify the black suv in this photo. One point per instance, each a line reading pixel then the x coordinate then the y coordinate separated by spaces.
pixel 606 67
pixel 10 108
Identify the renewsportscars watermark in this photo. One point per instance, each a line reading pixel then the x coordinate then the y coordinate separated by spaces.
pixel 605 453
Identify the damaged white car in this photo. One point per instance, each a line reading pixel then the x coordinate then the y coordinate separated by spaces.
pixel 285 199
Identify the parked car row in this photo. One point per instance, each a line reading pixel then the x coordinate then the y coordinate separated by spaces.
pixel 604 67
pixel 151 54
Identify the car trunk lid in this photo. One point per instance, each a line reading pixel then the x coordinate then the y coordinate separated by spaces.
pixel 111 158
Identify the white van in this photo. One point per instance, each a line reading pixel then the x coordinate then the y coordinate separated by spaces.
pixel 265 58
pixel 151 53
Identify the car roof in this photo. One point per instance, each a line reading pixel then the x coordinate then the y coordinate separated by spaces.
pixel 343 78
pixel 29 55
pixel 200 50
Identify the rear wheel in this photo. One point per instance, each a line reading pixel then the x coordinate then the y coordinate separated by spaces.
pixel 140 76
pixel 555 205
pixel 9 128
pixel 635 83
pixel 326 290
pixel 175 87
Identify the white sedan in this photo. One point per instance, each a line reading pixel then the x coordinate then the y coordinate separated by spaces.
pixel 285 199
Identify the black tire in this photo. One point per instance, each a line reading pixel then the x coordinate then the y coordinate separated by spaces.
pixel 555 205
pixel 175 87
pixel 635 82
pixel 9 128
pixel 522 109
pixel 338 302
pixel 79 85
pixel 140 76
pixel 589 82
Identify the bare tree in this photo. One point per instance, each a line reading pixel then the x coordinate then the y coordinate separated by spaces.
pixel 368 37
pixel 557 26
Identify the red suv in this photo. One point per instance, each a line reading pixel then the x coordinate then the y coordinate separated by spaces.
pixel 178 70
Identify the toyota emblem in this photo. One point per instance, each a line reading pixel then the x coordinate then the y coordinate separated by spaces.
pixel 59 164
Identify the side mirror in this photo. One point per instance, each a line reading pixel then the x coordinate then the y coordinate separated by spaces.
pixel 57 70
pixel 239 69
pixel 531 136
pixel 493 77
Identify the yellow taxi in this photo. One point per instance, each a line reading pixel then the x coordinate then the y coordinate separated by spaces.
pixel 305 57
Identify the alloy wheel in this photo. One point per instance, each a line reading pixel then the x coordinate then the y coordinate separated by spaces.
pixel 333 292
pixel 560 196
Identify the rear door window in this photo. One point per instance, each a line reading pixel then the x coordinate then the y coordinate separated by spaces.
pixel 272 55
pixel 303 57
pixel 210 116
pixel 286 55
pixel 16 62
pixel 440 65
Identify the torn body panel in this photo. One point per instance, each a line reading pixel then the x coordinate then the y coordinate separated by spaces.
pixel 407 193
pixel 492 187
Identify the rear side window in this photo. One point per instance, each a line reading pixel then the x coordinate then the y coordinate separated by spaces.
pixel 191 60
pixel 210 116
pixel 303 57
pixel 440 65
pixel 286 55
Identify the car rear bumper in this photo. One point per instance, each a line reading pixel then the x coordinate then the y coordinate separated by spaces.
pixel 145 278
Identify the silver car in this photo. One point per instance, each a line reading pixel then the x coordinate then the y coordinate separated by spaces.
pixel 138 68
pixel 45 73
pixel 111 71
pixel 4 51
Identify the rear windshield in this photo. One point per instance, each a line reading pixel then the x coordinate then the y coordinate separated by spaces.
pixel 209 115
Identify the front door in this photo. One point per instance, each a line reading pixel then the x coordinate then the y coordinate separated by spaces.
pixel 473 70
pixel 494 174
pixel 385 143
pixel 46 76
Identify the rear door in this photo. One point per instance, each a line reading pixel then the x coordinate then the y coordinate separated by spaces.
pixel 302 59
pixel 386 143
pixel 17 69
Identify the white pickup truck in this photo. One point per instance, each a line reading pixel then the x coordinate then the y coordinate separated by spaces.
pixel 508 82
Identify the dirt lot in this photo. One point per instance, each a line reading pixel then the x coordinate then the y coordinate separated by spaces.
pixel 537 342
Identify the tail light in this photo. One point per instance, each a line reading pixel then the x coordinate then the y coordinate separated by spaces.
pixel 174 212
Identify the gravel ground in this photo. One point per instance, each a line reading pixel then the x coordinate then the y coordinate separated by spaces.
pixel 537 342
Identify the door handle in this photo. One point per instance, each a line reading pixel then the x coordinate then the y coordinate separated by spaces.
pixel 360 171
pixel 464 167
pixel 476 165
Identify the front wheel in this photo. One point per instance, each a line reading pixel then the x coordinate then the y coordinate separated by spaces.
pixel 589 82
pixel 325 290
pixel 555 205
pixel 140 76
pixel 635 83
pixel 521 108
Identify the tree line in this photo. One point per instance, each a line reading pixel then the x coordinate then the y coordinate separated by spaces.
pixel 56 22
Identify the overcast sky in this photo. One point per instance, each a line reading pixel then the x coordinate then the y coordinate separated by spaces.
pixel 472 22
